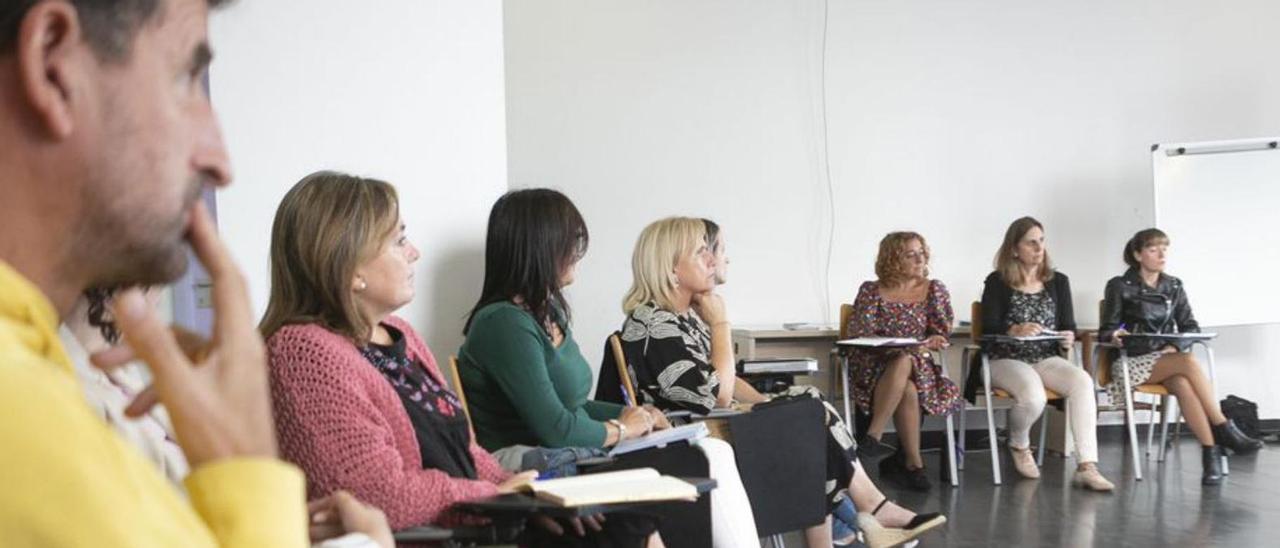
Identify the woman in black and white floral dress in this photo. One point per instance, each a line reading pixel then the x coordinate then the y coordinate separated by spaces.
pixel 1026 296
pixel 677 339
pixel 1146 300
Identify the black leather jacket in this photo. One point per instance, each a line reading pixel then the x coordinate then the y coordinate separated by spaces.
pixel 1142 309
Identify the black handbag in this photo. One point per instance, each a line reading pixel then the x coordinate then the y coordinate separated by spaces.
pixel 1244 413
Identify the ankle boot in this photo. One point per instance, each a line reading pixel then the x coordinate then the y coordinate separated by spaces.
pixel 1229 435
pixel 1212 460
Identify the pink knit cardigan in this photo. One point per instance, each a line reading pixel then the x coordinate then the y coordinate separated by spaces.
pixel 339 420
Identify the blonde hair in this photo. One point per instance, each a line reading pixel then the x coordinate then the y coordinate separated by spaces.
pixel 657 251
pixel 327 225
pixel 891 261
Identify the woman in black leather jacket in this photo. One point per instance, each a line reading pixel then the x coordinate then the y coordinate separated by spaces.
pixel 1146 300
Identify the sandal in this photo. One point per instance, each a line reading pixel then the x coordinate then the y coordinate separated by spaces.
pixel 880 536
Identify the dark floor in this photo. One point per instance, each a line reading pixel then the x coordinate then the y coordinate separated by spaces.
pixel 1167 508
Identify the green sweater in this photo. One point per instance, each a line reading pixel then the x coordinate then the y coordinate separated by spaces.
pixel 522 390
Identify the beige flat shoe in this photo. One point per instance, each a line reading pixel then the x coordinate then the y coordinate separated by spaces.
pixel 1091 479
pixel 1024 463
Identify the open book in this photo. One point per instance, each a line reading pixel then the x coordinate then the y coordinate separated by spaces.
pixel 879 341
pixel 635 485
pixel 660 438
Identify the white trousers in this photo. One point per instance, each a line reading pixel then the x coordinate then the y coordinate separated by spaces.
pixel 732 523
pixel 1026 383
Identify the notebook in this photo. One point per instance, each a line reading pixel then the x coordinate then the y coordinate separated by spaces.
pixel 635 485
pixel 879 341
pixel 660 438
pixel 778 365
pixel 1174 336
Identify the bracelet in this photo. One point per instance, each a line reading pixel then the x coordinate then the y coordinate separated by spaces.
pixel 622 430
pixel 720 323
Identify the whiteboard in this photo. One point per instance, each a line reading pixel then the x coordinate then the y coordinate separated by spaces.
pixel 1219 202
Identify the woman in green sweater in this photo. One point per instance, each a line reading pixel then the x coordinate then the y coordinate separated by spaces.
pixel 526 380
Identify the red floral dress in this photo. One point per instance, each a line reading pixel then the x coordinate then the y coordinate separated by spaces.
pixel 875 317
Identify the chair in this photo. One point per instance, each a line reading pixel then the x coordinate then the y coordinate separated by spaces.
pixel 785 489
pixel 1102 370
pixel 988 393
pixel 457 387
pixel 846 311
pixel 624 374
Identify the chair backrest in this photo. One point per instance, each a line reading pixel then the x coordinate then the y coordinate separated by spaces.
pixel 457 386
pixel 846 311
pixel 975 320
pixel 620 361
pixel 1103 367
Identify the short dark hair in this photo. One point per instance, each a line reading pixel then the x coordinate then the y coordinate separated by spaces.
pixel 1139 242
pixel 109 25
pixel 533 235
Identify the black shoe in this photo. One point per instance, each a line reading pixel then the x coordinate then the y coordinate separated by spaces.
pixel 1212 460
pixel 917 479
pixel 1228 435
pixel 871 449
pixel 891 467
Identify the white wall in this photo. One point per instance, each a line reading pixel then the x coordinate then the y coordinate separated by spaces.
pixel 409 91
pixel 950 118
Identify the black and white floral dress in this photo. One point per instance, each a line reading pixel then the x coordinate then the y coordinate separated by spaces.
pixel 1029 308
pixel 669 356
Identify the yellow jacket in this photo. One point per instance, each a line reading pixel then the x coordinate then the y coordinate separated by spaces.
pixel 67 480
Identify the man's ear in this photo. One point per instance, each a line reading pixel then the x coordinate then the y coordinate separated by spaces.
pixel 50 54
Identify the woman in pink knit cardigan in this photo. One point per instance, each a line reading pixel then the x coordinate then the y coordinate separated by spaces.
pixel 359 402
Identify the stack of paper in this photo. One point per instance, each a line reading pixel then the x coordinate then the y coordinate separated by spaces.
pixel 660 438
pixel 879 341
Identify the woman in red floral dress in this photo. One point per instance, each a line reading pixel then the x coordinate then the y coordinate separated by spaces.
pixel 898 383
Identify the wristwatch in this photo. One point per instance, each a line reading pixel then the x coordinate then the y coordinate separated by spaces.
pixel 622 430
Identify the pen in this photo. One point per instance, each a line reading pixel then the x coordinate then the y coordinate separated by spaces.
pixel 626 396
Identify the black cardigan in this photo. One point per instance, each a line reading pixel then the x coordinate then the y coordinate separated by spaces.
pixel 996 295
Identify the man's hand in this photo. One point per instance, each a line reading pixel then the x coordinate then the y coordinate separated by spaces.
pixel 216 395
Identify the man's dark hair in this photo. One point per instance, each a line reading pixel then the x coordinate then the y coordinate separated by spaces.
pixel 109 25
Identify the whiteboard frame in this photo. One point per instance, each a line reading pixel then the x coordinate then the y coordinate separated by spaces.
pixel 1159 151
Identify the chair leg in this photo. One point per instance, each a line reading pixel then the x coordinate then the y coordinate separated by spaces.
pixel 1151 427
pixel 991 422
pixel 844 385
pixel 964 374
pixel 1044 429
pixel 1068 437
pixel 1133 434
pixel 1165 413
pixel 951 452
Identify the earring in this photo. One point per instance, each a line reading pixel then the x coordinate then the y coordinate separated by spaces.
pixel 361 286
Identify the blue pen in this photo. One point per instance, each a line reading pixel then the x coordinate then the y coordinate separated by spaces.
pixel 626 396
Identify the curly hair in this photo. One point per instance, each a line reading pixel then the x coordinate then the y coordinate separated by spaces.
pixel 891 261
pixel 99 315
